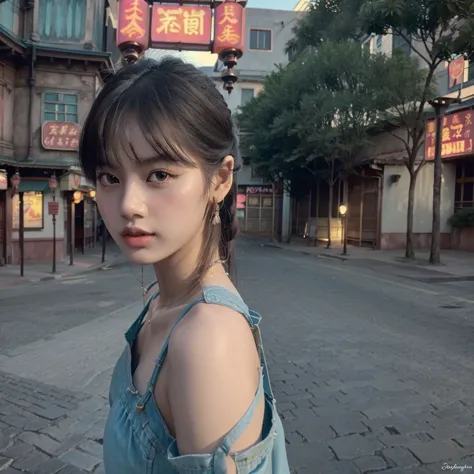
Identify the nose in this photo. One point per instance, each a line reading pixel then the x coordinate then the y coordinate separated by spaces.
pixel 133 201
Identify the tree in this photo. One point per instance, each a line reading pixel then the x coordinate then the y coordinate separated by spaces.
pixel 437 30
pixel 336 116
pixel 315 114
pixel 327 20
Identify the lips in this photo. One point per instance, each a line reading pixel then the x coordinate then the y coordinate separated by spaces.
pixel 135 232
pixel 137 238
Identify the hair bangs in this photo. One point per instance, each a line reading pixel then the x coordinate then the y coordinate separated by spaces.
pixel 106 136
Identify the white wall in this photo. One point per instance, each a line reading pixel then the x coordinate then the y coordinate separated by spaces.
pixel 234 100
pixel 395 199
pixel 47 232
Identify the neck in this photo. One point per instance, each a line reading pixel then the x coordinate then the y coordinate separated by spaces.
pixel 175 275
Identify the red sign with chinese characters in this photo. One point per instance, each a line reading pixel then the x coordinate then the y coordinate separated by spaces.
pixel 63 136
pixel 175 26
pixel 456 72
pixel 457 139
pixel 53 208
pixel 133 22
pixel 229 27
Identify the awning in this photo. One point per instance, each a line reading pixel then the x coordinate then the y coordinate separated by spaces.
pixel 33 186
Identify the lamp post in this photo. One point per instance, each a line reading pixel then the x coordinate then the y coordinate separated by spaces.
pixel 53 184
pixel 343 213
pixel 440 105
pixel 16 180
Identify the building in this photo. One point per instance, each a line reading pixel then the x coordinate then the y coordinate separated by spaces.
pixel 378 197
pixel 263 207
pixel 51 57
pixel 302 5
pixel 383 221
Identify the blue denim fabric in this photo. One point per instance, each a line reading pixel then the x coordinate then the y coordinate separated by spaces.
pixel 137 440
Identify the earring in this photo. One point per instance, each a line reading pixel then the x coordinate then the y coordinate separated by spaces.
pixel 216 219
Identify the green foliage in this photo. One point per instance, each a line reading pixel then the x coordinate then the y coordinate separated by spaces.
pixel 462 218
pixel 327 20
pixel 438 29
pixel 315 113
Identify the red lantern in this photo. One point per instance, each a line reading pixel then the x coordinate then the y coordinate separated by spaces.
pixel 229 28
pixel 133 28
pixel 53 183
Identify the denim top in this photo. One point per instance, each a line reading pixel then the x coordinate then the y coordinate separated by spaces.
pixel 137 440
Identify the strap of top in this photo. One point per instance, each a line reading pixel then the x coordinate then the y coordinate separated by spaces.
pixel 132 332
pixel 212 295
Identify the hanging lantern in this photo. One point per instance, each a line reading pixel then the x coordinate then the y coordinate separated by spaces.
pixel 133 28
pixel 53 183
pixel 229 38
pixel 92 193
pixel 77 196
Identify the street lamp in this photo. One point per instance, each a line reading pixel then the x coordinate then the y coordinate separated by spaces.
pixel 441 105
pixel 343 213
pixel 53 184
pixel 16 180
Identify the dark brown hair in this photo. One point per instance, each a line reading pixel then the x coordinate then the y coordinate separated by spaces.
pixel 181 114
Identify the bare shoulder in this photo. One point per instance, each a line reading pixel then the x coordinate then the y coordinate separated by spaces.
pixel 214 376
pixel 209 323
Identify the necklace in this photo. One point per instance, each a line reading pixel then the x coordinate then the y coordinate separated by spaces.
pixel 213 264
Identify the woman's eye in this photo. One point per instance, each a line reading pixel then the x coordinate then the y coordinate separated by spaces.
pixel 159 176
pixel 107 179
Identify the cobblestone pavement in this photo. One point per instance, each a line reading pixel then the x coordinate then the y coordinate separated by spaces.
pixel 371 373
pixel 45 430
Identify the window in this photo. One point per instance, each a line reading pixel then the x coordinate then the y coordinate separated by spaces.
pixel 379 42
pixel 261 39
pixel 400 44
pixel 247 96
pixel 464 192
pixel 32 211
pixel 60 107
pixel 471 71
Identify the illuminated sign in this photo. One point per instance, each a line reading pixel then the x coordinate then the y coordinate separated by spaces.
pixel 229 28
pixel 457 135
pixel 176 27
pixel 133 22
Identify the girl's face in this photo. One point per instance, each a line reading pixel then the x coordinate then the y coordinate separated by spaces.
pixel 152 207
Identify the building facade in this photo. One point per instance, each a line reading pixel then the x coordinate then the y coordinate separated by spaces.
pixel 263 206
pixel 51 59
pixel 378 197
pixel 387 154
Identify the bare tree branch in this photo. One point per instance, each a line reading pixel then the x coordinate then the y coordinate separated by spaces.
pixel 409 41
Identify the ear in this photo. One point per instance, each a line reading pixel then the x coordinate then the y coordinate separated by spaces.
pixel 223 179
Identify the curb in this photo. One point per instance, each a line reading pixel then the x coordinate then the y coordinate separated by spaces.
pixel 25 281
pixel 341 258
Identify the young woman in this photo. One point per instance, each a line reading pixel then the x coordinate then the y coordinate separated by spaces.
pixel 190 393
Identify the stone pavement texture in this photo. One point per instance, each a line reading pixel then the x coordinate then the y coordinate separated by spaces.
pixel 45 430
pixel 36 272
pixel 454 264
pixel 371 373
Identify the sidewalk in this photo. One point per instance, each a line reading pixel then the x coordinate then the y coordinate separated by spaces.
pixel 455 266
pixel 36 272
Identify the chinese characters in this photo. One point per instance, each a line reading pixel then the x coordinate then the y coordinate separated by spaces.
pixel 228 26
pixel 186 25
pixel 60 136
pixel 456 136
pixel 135 18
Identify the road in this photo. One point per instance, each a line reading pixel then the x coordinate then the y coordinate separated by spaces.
pixel 372 372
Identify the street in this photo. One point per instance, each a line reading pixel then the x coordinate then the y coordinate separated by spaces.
pixel 372 371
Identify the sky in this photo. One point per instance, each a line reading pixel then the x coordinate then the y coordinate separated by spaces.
pixel 208 59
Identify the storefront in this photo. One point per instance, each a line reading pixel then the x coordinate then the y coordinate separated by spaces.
pixel 259 209
pixel 38 224
pixel 80 212
pixel 3 216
